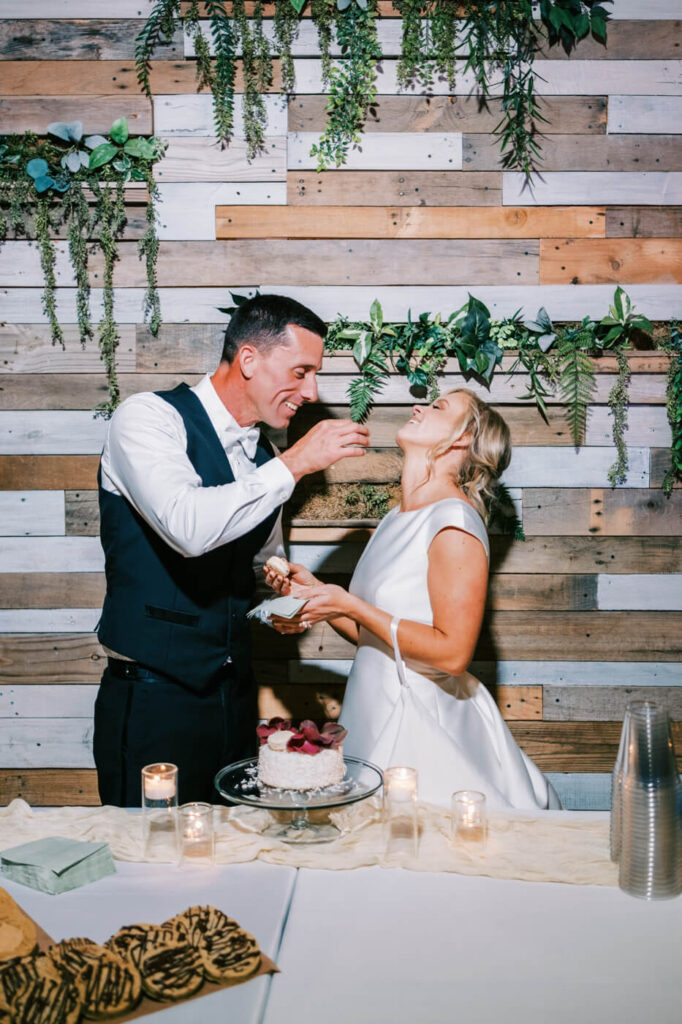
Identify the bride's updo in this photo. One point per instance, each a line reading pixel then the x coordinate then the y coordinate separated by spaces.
pixel 488 455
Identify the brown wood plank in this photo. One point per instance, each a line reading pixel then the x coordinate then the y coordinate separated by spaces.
pixel 134 229
pixel 50 787
pixel 402 188
pixel 97 113
pixel 47 472
pixel 628 39
pixel 384 262
pixel 644 221
pixel 28 348
pixel 87 39
pixel 238 222
pixel 610 261
pixel 178 348
pixel 622 512
pixel 575 746
pixel 659 464
pixel 566 115
pixel 81 513
pixel 78 390
pixel 606 703
pixel 544 592
pixel 51 658
pixel 52 590
pixel 584 152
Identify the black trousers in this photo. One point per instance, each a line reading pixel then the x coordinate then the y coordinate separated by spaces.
pixel 142 718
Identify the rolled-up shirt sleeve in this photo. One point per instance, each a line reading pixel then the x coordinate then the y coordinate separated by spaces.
pixel 145 460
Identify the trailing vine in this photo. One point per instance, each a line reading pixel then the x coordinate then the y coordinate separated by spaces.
pixel 618 404
pixel 45 183
pixel 257 71
pixel 673 345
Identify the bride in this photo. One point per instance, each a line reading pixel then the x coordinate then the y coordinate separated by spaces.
pixel 415 608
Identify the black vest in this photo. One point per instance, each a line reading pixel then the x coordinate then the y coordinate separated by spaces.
pixel 185 617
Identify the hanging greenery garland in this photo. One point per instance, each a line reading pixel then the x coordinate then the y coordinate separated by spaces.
pixel 673 345
pixel 500 40
pixel 45 183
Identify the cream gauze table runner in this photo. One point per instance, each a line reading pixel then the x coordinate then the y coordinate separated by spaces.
pixel 551 846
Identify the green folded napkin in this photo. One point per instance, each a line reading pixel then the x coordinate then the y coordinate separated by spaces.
pixel 57 865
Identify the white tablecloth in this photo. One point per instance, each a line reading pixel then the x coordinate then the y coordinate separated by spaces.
pixel 376 946
pixel 257 895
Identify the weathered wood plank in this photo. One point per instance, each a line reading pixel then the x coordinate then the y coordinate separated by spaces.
pixel 643 591
pixel 577 673
pixel 586 554
pixel 87 39
pixel 187 209
pixel 605 703
pixel 48 620
pixel 201 305
pixel 51 433
pixel 28 348
pixel 202 159
pixel 402 188
pixel 414 222
pixel 50 701
pixel 97 113
pixel 51 554
pixel 50 787
pixel 561 188
pixel 580 153
pixel 567 114
pixel 643 221
pixel 610 261
pixel 75 391
pixel 647 512
pixel 634 39
pixel 386 261
pixel 52 590
pixel 81 513
pixel 191 114
pixel 653 115
pixel 575 77
pixel 31 513
pixel 575 746
pixel 178 348
pixel 658 467
pixel 384 151
pixel 31 743
pixel 47 472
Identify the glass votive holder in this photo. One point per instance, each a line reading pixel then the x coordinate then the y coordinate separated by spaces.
pixel 197 836
pixel 400 812
pixel 160 811
pixel 469 817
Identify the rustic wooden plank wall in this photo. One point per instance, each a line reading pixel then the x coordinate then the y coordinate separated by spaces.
pixel 583 615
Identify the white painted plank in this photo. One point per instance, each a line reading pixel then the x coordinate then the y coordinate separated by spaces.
pixel 192 114
pixel 69 700
pixel 576 77
pixel 577 673
pixel 383 151
pixel 645 10
pixel 30 350
pixel 582 791
pixel 32 514
pixel 564 467
pixel 202 159
pixel 47 743
pixel 49 620
pixel 642 592
pixel 51 433
pixel 585 188
pixel 121 9
pixel 20 265
pixel 646 114
pixel 200 305
pixel 187 209
pixel 51 554
pixel 647 425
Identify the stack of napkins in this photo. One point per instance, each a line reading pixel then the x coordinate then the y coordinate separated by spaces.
pixel 57 865
pixel 286 607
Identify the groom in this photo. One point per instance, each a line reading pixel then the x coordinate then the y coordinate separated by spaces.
pixel 190 498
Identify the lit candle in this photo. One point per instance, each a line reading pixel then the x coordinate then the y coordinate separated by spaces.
pixel 400 784
pixel 469 820
pixel 160 782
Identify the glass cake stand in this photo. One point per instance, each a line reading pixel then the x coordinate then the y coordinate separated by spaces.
pixel 238 784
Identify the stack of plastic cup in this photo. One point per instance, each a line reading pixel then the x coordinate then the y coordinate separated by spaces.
pixel 650 845
pixel 617 784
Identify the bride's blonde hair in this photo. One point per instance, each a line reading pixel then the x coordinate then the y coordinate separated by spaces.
pixel 488 454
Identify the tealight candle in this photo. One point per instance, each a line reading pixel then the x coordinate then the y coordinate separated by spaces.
pixel 401 825
pixel 197 837
pixel 469 819
pixel 159 811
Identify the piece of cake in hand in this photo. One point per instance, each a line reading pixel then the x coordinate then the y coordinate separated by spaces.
pixel 300 759
pixel 278 565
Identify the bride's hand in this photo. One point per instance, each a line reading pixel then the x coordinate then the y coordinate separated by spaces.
pixel 324 601
pixel 282 584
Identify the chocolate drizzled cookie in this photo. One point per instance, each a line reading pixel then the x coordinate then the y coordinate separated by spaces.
pixel 70 956
pixel 46 1001
pixel 171 971
pixel 133 940
pixel 200 920
pixel 16 974
pixel 108 988
pixel 228 955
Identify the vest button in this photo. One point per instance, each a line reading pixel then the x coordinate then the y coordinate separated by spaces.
pixel 228 660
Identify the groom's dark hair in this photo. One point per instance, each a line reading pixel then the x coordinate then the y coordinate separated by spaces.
pixel 262 322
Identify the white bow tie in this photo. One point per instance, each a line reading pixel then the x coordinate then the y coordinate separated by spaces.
pixel 247 437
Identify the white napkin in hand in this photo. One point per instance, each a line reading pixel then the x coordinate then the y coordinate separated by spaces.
pixel 285 607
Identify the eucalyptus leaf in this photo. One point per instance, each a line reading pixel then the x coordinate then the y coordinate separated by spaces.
pixel 545 341
pixel 43 182
pixel 60 130
pixel 37 168
pixel 60 184
pixel 75 130
pixel 102 155
pixel 139 148
pixel 343 5
pixel 119 131
pixel 93 141
pixel 84 158
pixel 72 161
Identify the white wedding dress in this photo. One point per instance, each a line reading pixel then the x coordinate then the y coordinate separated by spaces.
pixel 447 727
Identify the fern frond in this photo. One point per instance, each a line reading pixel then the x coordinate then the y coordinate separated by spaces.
pixel 363 389
pixel 576 384
pixel 502 513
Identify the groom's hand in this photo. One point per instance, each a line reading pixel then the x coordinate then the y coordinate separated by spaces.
pixel 323 445
pixel 297 574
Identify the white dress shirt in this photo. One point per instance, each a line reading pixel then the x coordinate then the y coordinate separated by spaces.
pixel 145 460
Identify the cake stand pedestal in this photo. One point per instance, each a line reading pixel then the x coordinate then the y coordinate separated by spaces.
pixel 238 784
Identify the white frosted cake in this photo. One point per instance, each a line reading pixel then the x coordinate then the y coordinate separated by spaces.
pixel 300 759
